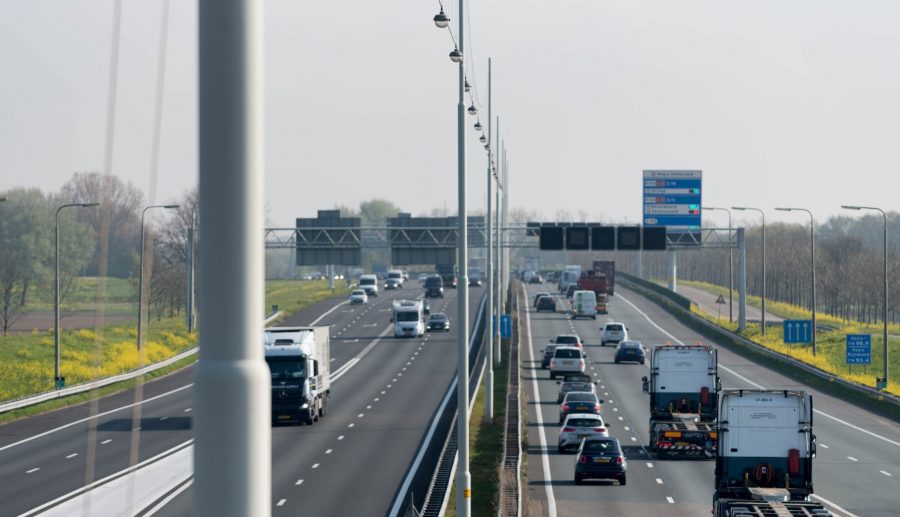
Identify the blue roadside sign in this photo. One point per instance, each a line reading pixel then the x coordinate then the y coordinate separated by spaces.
pixel 797 331
pixel 859 349
pixel 505 326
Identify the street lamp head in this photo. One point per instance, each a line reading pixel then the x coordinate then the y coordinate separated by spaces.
pixel 487 147
pixel 472 110
pixel 738 208
pixel 782 209
pixel 441 20
pixel 466 86
pixel 456 56
pixel 849 207
pixel 478 126
pixel 88 205
pixel 172 206
pixel 483 139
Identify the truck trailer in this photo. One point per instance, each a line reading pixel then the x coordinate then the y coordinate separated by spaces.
pixel 683 385
pixel 764 462
pixel 299 360
pixel 607 268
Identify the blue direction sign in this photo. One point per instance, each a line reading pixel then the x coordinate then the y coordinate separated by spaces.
pixel 859 349
pixel 505 326
pixel 672 198
pixel 797 331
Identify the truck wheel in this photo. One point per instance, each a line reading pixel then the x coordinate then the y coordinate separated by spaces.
pixel 310 416
pixel 323 409
pixel 622 480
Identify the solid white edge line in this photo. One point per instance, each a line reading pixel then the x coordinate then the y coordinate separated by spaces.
pixel 739 376
pixel 832 505
pixel 545 459
pixel 159 506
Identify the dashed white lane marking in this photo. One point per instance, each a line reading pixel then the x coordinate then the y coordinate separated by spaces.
pixel 383 392
pixel 328 451
pixel 315 465
pixel 658 481
pixel 606 393
pixel 104 442
pixel 299 482
pixel 603 387
pixel 851 458
pixel 32 470
pixel 376 399
pixel 888 474
pixel 633 439
pixel 626 428
pixel 341 437
pixel 163 418
pixel 649 465
pixel 822 445
pixel 621 418
pixel 389 385
pixel 369 407
pixel 333 358
pixel 281 502
pixel 669 498
pixel 188 410
pixel 400 374
pixel 615 409
pixel 351 424
pixel 360 415
pixel 70 456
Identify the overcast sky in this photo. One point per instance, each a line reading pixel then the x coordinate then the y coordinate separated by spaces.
pixel 780 102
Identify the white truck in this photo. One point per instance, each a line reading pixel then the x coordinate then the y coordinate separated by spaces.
pixel 683 386
pixel 409 318
pixel 299 360
pixel 764 463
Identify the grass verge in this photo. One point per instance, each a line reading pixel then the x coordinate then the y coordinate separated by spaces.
pixel 486 445
pixel 292 295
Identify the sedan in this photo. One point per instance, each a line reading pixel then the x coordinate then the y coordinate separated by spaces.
pixel 630 351
pixel 575 382
pixel 546 303
pixel 548 355
pixel 600 458
pixel 538 297
pixel 566 360
pixel 579 426
pixel 358 296
pixel 579 402
pixel 438 321
pixel 393 283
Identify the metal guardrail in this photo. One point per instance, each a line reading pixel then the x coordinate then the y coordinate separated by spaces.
pixel 88 386
pixel 778 356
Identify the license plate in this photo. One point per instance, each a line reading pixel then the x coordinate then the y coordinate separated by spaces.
pixel 582 436
pixel 581 408
pixel 601 460
pixel 284 417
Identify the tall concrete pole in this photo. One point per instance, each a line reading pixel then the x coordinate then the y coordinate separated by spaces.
pixel 812 257
pixel 763 214
pixel 672 270
pixel 499 276
pixel 505 292
pixel 742 280
pixel 463 478
pixel 489 379
pixel 232 395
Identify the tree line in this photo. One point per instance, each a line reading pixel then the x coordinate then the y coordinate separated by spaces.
pixel 101 241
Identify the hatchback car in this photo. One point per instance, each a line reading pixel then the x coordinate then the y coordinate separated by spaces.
pixel 579 426
pixel 548 351
pixel 536 279
pixel 538 297
pixel 358 296
pixel 630 351
pixel 600 458
pixel 438 321
pixel 576 382
pixel 613 332
pixel 569 340
pixel 579 402
pixel 434 287
pixel 392 283
pixel 546 303
pixel 449 280
pixel 566 359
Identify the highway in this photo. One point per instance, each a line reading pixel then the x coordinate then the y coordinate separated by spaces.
pixel 384 394
pixel 856 471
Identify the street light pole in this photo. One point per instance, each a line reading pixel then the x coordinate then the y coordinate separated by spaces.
pixel 498 269
pixel 140 329
pixel 763 214
pixel 730 265
pixel 812 248
pixel 885 299
pixel 489 380
pixel 57 379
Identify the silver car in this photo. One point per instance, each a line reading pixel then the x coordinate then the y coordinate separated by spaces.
pixel 575 383
pixel 579 426
pixel 566 359
pixel 613 332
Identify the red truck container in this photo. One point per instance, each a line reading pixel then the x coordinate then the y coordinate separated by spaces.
pixel 607 268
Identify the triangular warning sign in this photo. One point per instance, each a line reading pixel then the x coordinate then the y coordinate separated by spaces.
pixel 720 299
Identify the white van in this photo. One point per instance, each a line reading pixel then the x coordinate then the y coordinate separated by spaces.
pixel 396 275
pixel 409 318
pixel 369 284
pixel 584 304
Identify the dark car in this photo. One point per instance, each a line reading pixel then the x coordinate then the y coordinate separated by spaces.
pixel 630 351
pixel 475 280
pixel 536 279
pixel 449 280
pixel 392 283
pixel 579 402
pixel 538 297
pixel 434 287
pixel 546 303
pixel 548 355
pixel 438 321
pixel 569 340
pixel 575 383
pixel 600 458
pixel 570 290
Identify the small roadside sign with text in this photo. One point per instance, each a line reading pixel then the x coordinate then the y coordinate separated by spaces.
pixel 859 349
pixel 797 331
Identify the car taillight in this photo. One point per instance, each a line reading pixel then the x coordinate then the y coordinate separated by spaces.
pixel 568 429
pixel 582 459
pixel 597 407
pixel 600 429
pixel 619 460
pixel 565 407
pixel 552 363
pixel 581 363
